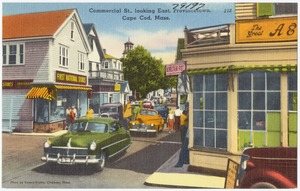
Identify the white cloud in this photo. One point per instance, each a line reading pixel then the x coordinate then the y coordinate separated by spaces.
pixel 161 44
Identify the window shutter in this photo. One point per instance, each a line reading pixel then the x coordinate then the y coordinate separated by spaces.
pixel 265 9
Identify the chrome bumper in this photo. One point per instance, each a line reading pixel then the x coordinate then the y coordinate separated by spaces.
pixel 143 130
pixel 71 160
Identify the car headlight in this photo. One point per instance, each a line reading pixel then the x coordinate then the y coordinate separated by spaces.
pixel 93 146
pixel 152 124
pixel 47 144
pixel 133 123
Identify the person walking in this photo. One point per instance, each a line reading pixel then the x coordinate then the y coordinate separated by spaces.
pixel 72 115
pixel 177 113
pixel 171 120
pixel 68 119
pixel 90 113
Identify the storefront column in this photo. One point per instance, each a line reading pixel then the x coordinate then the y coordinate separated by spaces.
pixel 232 137
pixel 191 119
pixel 284 109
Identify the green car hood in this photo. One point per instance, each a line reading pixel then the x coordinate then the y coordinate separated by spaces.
pixel 78 139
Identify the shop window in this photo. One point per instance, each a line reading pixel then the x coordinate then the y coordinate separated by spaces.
pixel 258 101
pixel 13 54
pixel 210 110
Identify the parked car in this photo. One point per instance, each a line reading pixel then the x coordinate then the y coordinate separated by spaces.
pixel 147 121
pixel 115 111
pixel 163 110
pixel 268 168
pixel 88 141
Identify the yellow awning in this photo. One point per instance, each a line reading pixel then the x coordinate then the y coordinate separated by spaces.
pixel 63 87
pixel 39 92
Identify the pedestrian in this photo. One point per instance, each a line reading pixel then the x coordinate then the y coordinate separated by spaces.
pixel 72 115
pixel 171 121
pixel 79 112
pixel 183 125
pixel 74 110
pixel 184 155
pixel 177 113
pixel 90 112
pixel 68 119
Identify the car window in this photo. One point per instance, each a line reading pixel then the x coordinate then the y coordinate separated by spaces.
pixel 145 112
pixel 108 109
pixel 113 127
pixel 97 127
pixel 78 126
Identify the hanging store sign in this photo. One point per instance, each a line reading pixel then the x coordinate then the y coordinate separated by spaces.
pixel 117 87
pixel 175 69
pixel 70 78
pixel 16 84
pixel 267 30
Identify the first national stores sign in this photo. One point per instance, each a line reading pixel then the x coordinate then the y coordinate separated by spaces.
pixel 70 78
pixel 175 69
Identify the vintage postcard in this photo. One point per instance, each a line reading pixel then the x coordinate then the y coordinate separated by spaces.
pixel 149 95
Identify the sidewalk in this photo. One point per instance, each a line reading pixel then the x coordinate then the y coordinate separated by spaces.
pixel 169 176
pixel 57 133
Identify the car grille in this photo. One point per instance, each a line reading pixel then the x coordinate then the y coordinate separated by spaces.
pixel 66 151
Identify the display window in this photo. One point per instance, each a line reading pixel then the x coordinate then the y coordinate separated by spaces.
pixel 55 110
pixel 210 110
pixel 259 109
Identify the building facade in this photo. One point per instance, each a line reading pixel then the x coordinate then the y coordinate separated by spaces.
pixel 243 83
pixel 45 69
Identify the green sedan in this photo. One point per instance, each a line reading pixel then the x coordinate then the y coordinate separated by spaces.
pixel 88 141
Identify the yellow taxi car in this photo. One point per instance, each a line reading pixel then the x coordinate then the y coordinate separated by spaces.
pixel 147 121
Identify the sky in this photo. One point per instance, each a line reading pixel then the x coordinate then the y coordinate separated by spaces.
pixel 117 22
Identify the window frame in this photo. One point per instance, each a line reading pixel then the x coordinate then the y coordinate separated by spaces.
pixel 81 64
pixel 63 56
pixel 19 54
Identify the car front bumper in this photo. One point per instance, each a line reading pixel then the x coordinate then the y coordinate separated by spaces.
pixel 70 160
pixel 144 130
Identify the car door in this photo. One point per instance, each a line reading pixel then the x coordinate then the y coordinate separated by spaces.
pixel 115 138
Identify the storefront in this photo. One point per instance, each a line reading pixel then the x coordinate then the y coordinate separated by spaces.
pixel 52 100
pixel 243 89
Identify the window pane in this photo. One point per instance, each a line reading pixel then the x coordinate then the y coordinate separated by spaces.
pixel 221 139
pixel 209 83
pixel 292 81
pixel 221 120
pixel 244 81
pixel 221 101
pixel 221 82
pixel 258 80
pixel 244 120
pixel 198 101
pixel 209 138
pixel 198 119
pixel 209 101
pixel 198 137
pixel 273 101
pixel 293 101
pixel 4 54
pixel 273 81
pixel 198 83
pixel 244 100
pixel 259 101
pixel 259 120
pixel 209 119
pixel 285 8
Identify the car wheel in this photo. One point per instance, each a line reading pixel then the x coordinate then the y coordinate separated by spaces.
pixel 101 162
pixel 263 185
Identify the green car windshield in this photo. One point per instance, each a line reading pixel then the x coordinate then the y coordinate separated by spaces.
pixel 89 126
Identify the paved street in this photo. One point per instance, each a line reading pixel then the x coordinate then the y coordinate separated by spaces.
pixel 22 167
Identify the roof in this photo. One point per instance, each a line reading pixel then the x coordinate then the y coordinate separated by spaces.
pixel 88 27
pixel 40 24
pixel 107 56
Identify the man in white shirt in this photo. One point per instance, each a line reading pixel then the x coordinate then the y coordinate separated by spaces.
pixel 177 113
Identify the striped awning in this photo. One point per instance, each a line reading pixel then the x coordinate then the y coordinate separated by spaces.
pixel 64 87
pixel 39 92
pixel 245 68
pixel 49 93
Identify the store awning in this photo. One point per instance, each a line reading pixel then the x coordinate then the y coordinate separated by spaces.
pixel 39 92
pixel 245 68
pixel 63 87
